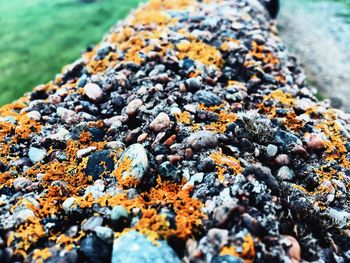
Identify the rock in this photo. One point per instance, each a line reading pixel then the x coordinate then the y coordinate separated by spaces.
pixel 68 116
pixel 95 249
pixel 285 174
pixel 264 174
pixel 22 215
pixel 134 247
pixel 93 92
pixel 167 171
pixel 294 250
pixel 94 167
pixel 104 233
pixel 133 107
pixel 207 98
pixel 60 135
pixel 271 150
pixel 21 183
pixel 202 140
pixel 119 212
pixel 35 115
pixel 137 154
pixel 217 237
pixel 193 84
pixel 314 142
pixel 92 223
pixel 36 154
pixel 226 259
pixel 160 123
pixel 68 205
pixel 284 139
pixel 83 152
pixel 282 159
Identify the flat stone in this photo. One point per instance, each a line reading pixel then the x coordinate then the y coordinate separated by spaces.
pixel 202 140
pixel 36 154
pixel 137 154
pixel 134 247
pixel 207 98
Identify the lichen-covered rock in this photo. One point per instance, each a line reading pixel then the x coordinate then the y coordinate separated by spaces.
pixel 134 247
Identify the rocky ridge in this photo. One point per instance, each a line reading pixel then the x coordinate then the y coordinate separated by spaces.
pixel 188 134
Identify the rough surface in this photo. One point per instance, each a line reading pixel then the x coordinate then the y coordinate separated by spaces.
pixel 205 140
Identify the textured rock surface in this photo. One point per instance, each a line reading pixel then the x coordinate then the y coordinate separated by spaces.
pixel 198 134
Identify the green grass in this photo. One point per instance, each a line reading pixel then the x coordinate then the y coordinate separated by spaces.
pixel 39 37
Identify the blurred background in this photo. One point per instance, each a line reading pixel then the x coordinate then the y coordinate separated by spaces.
pixel 39 37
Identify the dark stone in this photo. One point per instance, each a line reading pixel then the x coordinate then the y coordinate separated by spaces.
pixel 206 165
pixel 94 167
pixel 226 259
pixel 207 98
pixel 188 63
pixel 284 139
pixel 193 84
pixel 95 249
pixel 169 172
pixel 247 145
pixel 97 134
pixel 263 174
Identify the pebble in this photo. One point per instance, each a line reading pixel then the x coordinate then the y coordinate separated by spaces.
pixel 92 223
pixel 95 249
pixel 119 212
pixel 68 205
pixel 294 250
pixel 314 142
pixel 282 159
pixel 23 215
pixel 93 92
pixel 207 98
pixel 284 139
pixel 226 259
pixel 60 135
pixel 202 140
pixel 168 171
pixel 139 161
pixel 68 116
pixel 83 152
pixel 94 167
pixel 134 247
pixel 160 123
pixel 271 150
pixel 133 107
pixel 285 174
pixel 104 233
pixel 36 154
pixel 193 84
pixel 21 183
pixel 35 115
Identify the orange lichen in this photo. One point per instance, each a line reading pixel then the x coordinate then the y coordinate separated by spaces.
pixel 225 164
pixel 247 251
pixel 183 117
pixel 40 255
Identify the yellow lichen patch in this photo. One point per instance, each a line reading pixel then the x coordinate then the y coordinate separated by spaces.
pixel 144 17
pixel 200 52
pixel 264 55
pixel 122 173
pixel 183 117
pixel 166 5
pixel 226 46
pixel 246 252
pixel 226 164
pixel 40 255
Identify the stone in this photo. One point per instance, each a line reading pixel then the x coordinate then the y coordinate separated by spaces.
pixel 60 135
pixel 83 152
pixel 92 223
pixel 133 247
pixel 68 116
pixel 36 154
pixel 68 205
pixel 133 107
pixel 104 233
pixel 95 249
pixel 294 250
pixel 93 92
pixel 160 123
pixel 167 171
pixel 119 212
pixel 23 215
pixel 137 154
pixel 35 115
pixel 284 139
pixel 271 150
pixel 285 174
pixel 94 167
pixel 207 98
pixel 193 84
pixel 202 140
pixel 21 183
pixel 282 159
pixel 314 142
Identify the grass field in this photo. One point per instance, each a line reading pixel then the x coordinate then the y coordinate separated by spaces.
pixel 38 37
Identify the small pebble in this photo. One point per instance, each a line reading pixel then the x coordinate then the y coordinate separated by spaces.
pixel 93 92
pixel 36 154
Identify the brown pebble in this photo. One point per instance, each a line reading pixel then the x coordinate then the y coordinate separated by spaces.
pixel 170 141
pixel 133 107
pixel 142 137
pixel 174 158
pixel 314 142
pixel 160 123
pixel 188 153
pixel 294 248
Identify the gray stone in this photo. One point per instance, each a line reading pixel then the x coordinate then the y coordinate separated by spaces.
pixel 134 247
pixel 119 212
pixel 284 139
pixel 139 161
pixel 271 150
pixel 68 205
pixel 93 92
pixel 207 98
pixel 36 154
pixel 92 223
pixel 202 140
pixel 104 233
pixel 285 174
